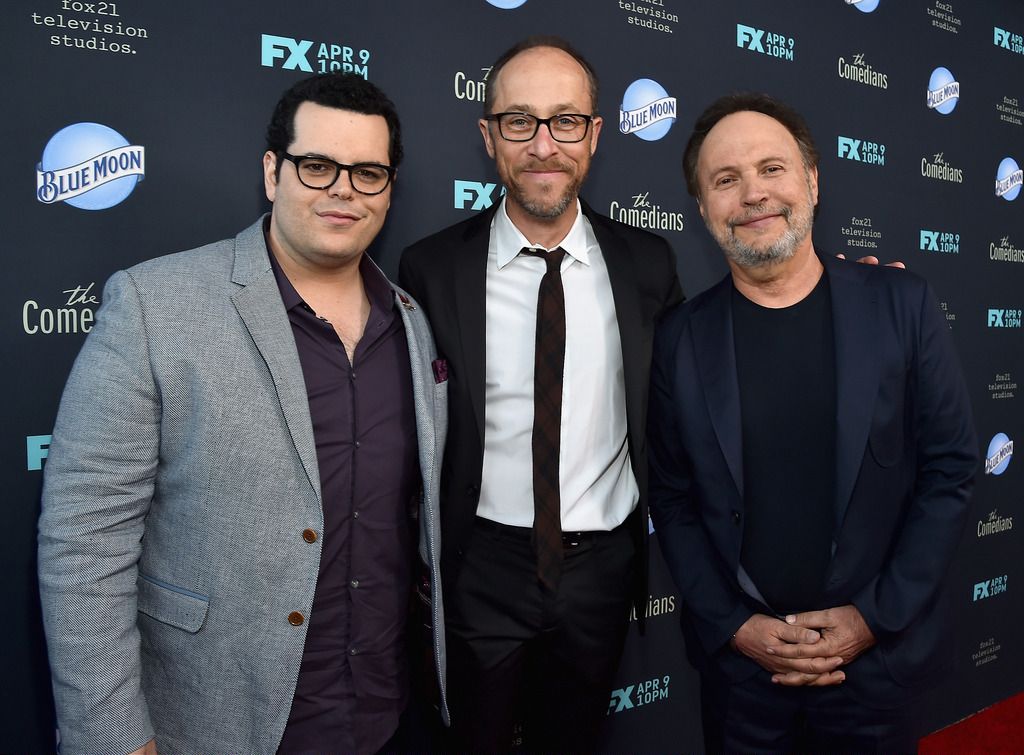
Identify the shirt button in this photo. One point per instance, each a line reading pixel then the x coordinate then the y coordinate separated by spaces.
pixel 355 514
pixel 358 444
pixel 309 535
pixel 736 517
pixel 353 651
pixel 354 583
pixel 353 374
pixel 296 619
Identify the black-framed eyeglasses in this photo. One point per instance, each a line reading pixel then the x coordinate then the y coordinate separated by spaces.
pixel 322 173
pixel 522 127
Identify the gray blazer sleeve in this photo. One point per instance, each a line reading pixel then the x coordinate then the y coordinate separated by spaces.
pixel 97 489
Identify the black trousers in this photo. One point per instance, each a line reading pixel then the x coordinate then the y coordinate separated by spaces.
pixel 517 653
pixel 756 715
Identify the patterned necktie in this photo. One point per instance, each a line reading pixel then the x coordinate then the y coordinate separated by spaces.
pixel 549 361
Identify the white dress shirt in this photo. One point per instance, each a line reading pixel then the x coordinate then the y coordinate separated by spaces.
pixel 598 489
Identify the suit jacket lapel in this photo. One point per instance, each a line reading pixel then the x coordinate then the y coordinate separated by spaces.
pixel 469 273
pixel 420 345
pixel 716 362
pixel 634 339
pixel 261 309
pixel 855 322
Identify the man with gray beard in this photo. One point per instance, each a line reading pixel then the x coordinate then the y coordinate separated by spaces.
pixel 812 451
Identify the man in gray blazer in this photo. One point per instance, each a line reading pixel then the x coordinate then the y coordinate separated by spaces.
pixel 245 450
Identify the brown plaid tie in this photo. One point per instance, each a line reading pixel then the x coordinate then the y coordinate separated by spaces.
pixel 549 362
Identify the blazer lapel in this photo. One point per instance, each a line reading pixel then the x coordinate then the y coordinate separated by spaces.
pixel 855 322
pixel 469 273
pixel 421 352
pixel 261 309
pixel 635 340
pixel 716 363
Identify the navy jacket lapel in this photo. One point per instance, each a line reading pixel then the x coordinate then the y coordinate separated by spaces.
pixel 855 322
pixel 711 328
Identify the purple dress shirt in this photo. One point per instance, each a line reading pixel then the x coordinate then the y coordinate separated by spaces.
pixel 353 680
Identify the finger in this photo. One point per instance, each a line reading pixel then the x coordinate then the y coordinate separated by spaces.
pixel 841 256
pixel 819 665
pixel 898 264
pixel 812 619
pixel 798 679
pixel 827 680
pixel 797 634
pixel 794 679
pixel 869 260
pixel 801 650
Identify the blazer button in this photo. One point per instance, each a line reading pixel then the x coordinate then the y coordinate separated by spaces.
pixel 736 517
pixel 296 619
pixel 309 535
pixel 472 490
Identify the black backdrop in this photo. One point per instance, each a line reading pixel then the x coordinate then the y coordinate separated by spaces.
pixel 182 92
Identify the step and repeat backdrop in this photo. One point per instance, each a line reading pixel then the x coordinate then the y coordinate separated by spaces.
pixel 135 128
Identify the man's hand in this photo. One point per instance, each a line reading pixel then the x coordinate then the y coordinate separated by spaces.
pixel 762 638
pixel 147 749
pixel 843 634
pixel 872 260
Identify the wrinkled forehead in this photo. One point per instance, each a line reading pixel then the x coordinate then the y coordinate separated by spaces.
pixel 746 136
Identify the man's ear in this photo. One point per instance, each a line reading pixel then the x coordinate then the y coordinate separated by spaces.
pixel 485 131
pixel 270 174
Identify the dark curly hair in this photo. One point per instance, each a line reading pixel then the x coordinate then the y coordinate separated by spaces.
pixel 345 91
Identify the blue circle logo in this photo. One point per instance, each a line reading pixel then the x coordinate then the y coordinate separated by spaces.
pixel 89 166
pixel 943 91
pixel 1009 178
pixel 506 4
pixel 864 6
pixel 1000 450
pixel 647 111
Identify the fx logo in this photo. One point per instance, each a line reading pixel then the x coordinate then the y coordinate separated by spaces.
pixel 1000 37
pixel 274 48
pixel 849 148
pixel 930 243
pixel 621 699
pixel 995 318
pixel 981 589
pixel 37 448
pixel 480 194
pixel 749 37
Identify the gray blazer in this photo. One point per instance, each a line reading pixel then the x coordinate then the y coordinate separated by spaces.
pixel 180 478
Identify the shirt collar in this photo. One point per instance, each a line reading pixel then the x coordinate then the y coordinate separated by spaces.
pixel 510 240
pixel 378 289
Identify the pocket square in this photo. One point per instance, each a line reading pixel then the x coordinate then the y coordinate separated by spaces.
pixel 440 370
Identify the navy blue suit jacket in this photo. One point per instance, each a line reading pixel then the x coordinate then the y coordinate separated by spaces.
pixel 906 456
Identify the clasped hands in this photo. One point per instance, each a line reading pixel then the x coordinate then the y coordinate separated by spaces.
pixel 807 649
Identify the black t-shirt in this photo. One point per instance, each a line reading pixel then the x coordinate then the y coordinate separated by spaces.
pixel 785 363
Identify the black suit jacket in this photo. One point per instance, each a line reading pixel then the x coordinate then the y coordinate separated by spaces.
pixel 906 456
pixel 446 273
